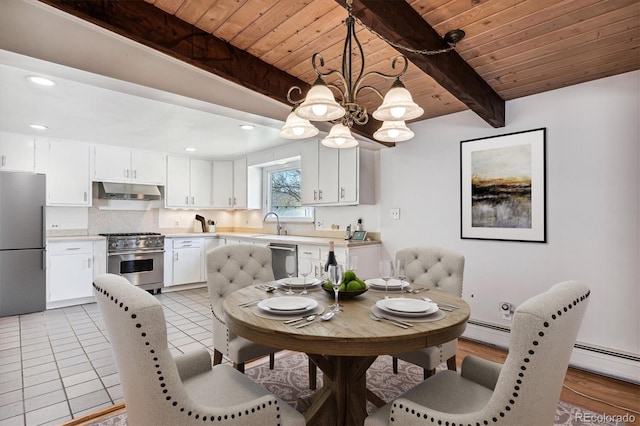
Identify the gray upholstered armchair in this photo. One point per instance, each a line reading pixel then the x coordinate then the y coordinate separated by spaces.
pixel 524 391
pixel 160 389
pixel 432 267
pixel 230 268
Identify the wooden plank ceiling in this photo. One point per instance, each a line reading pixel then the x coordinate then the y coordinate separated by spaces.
pixel 513 48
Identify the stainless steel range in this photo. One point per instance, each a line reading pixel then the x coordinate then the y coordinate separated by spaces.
pixel 139 257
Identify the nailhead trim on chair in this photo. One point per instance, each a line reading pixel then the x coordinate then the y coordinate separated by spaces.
pixel 161 377
pixel 516 388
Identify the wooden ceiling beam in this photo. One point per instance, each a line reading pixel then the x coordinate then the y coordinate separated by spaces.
pixel 397 21
pixel 146 24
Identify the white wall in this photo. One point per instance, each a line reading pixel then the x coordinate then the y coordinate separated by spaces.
pixel 593 196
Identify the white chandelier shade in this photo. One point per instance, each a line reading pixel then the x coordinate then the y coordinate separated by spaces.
pixel 320 104
pixel 393 131
pixel 398 105
pixel 297 128
pixel 340 137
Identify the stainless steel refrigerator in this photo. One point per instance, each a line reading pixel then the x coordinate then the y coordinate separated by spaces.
pixel 23 285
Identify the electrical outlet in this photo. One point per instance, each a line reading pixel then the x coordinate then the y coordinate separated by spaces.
pixel 177 224
pixel 395 214
pixel 319 224
pixel 506 309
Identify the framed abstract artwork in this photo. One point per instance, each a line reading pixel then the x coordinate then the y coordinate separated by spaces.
pixel 503 187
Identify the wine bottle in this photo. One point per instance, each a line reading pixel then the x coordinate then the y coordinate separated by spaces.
pixel 331 257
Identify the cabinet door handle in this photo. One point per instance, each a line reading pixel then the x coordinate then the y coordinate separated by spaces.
pixel 85 195
pixel 72 248
pixel 342 192
pixel 230 201
pixel 125 173
pixel 320 194
pixel 193 201
pixel 4 161
pixel 135 174
pixel 315 195
pixel 186 200
pixel 176 255
pixel 89 263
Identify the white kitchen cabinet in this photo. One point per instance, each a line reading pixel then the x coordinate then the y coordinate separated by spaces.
pixel 222 185
pixel 337 176
pixel 319 174
pixel 99 257
pixel 368 258
pixel 313 253
pixel 124 165
pixel 17 152
pixel 240 183
pixel 68 173
pixel 348 175
pixel 187 260
pixel 188 183
pixel 71 269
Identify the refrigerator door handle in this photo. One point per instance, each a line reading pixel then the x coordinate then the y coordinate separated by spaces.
pixel 44 260
pixel 43 226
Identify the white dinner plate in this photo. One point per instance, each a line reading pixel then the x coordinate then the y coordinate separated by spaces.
pixel 287 305
pixel 378 284
pixel 299 282
pixel 407 307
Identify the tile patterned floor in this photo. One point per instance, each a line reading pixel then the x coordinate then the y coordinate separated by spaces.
pixel 57 365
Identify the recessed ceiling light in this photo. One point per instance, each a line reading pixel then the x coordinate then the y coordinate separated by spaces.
pixel 38 126
pixel 40 80
pixel 247 126
pixel 190 149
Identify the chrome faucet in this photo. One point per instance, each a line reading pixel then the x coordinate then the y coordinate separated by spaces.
pixel 278 227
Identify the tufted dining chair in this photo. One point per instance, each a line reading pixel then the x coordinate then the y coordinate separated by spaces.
pixel 162 389
pixel 523 391
pixel 432 267
pixel 230 268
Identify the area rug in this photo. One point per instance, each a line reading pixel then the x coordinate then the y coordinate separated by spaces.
pixel 290 380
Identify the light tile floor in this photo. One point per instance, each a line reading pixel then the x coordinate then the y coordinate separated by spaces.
pixel 57 365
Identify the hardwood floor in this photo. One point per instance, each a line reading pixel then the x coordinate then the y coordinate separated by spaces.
pixel 617 392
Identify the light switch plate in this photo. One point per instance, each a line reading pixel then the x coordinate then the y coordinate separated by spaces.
pixel 395 214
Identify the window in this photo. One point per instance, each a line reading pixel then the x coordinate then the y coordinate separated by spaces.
pixel 283 193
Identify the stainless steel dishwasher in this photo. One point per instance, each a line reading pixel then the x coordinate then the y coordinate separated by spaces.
pixel 279 253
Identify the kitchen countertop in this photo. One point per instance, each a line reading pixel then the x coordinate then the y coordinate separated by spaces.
pixel 287 239
pixel 76 238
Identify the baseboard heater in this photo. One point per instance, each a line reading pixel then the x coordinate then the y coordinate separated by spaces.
pixel 628 357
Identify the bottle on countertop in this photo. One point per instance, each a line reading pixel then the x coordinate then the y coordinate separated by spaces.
pixel 331 257
pixel 359 225
pixel 348 234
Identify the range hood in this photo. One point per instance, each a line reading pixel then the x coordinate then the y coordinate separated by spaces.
pixel 127 191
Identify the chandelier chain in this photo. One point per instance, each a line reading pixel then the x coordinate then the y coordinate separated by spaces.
pixel 402 47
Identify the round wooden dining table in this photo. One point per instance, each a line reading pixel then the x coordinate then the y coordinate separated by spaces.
pixel 344 347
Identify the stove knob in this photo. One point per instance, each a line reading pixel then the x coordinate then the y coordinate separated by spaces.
pixel 138 241
pixel 114 244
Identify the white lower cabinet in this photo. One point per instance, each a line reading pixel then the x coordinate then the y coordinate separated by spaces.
pixel 187 260
pixel 368 258
pixel 312 253
pixel 72 267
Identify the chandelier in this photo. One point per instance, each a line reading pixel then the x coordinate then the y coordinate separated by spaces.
pixel 321 105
